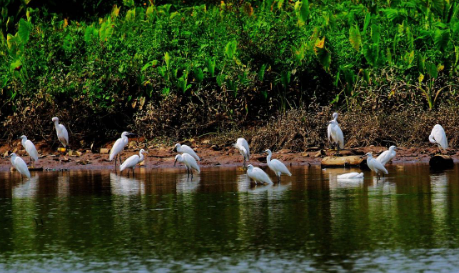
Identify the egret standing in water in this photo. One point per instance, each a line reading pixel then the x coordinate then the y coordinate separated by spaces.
pixel 387 156
pixel 243 147
pixel 186 149
pixel 61 132
pixel 132 161
pixel 118 147
pixel 20 165
pixel 276 166
pixel 438 136
pixel 375 165
pixel 30 149
pixel 190 163
pixel 336 135
pixel 329 128
pixel 258 175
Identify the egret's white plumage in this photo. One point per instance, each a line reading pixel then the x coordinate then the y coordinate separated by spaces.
pixel 387 156
pixel 132 161
pixel 61 132
pixel 20 165
pixel 189 162
pixel 30 148
pixel 276 166
pixel 243 147
pixel 258 175
pixel 329 128
pixel 336 135
pixel 186 149
pixel 375 165
pixel 438 136
pixel 119 145
pixel 353 175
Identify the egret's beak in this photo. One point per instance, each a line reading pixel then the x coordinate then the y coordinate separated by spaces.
pixel 175 162
pixel 131 134
pixel 175 149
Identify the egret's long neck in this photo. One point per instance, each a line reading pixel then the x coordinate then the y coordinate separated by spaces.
pixel 431 139
pixel 23 140
pixel 125 139
pixel 12 159
pixel 56 124
pixel 141 157
pixel 268 158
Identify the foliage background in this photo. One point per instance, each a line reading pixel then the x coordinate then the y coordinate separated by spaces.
pixel 185 69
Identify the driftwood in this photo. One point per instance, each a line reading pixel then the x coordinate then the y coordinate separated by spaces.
pixel 441 162
pixel 340 161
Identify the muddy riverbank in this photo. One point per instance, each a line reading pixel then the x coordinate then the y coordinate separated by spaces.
pixel 162 156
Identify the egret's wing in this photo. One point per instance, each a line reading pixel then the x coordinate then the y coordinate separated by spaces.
pixel 378 166
pixel 384 157
pixel 63 135
pixel 339 136
pixel 440 136
pixel 245 144
pixel 187 149
pixel 278 166
pixel 329 129
pixel 192 162
pixel 31 150
pixel 21 166
pixel 260 175
pixel 130 162
pixel 117 147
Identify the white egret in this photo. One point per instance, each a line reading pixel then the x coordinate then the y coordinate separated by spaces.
pixel 190 163
pixel 335 118
pixel 132 161
pixel 30 149
pixel 186 149
pixel 243 147
pixel 438 136
pixel 375 165
pixel 277 166
pixel 386 156
pixel 258 175
pixel 336 135
pixel 20 165
pixel 118 147
pixel 353 175
pixel 61 132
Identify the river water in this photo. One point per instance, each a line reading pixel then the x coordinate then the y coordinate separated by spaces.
pixel 160 221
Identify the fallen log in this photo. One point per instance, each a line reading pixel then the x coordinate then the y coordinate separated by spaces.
pixel 340 161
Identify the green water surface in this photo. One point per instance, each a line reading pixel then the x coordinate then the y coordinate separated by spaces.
pixel 160 221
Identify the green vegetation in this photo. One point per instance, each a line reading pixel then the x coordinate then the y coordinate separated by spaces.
pixel 183 71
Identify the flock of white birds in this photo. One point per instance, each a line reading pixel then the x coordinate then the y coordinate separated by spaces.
pixel 189 158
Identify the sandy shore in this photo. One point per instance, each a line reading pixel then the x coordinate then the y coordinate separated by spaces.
pixel 211 156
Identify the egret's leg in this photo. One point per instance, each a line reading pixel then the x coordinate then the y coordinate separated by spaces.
pixel 116 158
pixel 120 159
pixel 278 178
pixel 191 171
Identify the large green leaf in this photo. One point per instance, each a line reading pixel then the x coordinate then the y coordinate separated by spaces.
pixel 355 38
pixel 441 39
pixel 375 34
pixel 303 13
pixel 24 30
pixel 230 49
